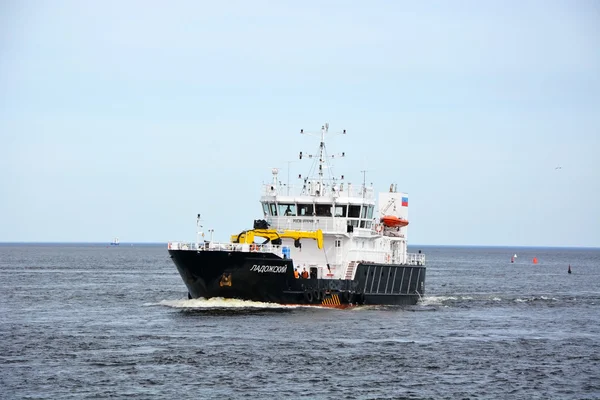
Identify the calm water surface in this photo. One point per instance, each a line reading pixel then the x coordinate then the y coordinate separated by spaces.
pixel 90 321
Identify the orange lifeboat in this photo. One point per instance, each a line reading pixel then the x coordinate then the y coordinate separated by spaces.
pixel 393 221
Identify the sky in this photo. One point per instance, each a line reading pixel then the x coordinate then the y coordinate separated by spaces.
pixel 128 118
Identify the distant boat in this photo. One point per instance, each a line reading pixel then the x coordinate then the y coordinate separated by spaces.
pixel 115 242
pixel 512 259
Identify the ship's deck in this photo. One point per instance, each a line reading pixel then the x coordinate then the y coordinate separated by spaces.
pixel 361 256
pixel 238 247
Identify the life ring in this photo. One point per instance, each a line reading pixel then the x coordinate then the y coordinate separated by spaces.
pixel 387 258
pixel 253 247
pixel 308 296
pixel 378 228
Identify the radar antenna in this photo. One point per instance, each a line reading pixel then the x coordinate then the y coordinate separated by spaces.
pixel 322 157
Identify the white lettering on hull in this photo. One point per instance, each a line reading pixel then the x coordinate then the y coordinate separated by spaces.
pixel 306 221
pixel 275 269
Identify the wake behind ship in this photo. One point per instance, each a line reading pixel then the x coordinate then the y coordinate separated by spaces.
pixel 326 244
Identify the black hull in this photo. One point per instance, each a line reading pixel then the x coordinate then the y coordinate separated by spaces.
pixel 266 277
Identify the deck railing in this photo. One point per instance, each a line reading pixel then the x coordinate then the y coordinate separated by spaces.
pixel 326 224
pixel 377 256
pixel 216 246
pixel 362 255
pixel 348 190
pixel 415 258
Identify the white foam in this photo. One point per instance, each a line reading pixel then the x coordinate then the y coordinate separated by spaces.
pixel 435 300
pixel 522 300
pixel 220 303
pixel 544 298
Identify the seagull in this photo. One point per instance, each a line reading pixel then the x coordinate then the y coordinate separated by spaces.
pixel 558 167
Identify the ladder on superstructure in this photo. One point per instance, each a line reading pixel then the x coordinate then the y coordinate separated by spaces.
pixel 350 269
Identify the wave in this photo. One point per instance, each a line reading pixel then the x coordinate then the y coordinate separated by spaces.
pixel 461 301
pixel 221 303
pixel 440 300
pixel 479 298
pixel 533 298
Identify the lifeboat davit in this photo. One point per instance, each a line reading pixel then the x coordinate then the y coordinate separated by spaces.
pixel 393 221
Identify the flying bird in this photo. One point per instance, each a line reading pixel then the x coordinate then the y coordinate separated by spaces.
pixel 559 167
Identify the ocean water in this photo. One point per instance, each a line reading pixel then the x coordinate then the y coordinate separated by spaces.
pixel 95 322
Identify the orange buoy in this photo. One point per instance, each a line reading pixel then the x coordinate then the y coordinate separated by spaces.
pixel 535 260
pixel 393 221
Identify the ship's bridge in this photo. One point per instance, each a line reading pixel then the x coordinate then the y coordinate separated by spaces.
pixel 332 210
pixel 323 201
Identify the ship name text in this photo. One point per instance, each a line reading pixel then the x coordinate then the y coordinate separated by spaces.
pixel 276 269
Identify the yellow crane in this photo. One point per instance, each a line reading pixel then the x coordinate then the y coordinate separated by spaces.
pixel 274 234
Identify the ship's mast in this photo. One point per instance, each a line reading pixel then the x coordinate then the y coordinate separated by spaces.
pixel 324 130
pixel 198 230
pixel 323 161
pixel 364 185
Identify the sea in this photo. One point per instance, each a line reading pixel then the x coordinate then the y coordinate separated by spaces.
pixel 94 321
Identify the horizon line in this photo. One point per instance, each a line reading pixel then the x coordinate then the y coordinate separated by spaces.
pixel 411 245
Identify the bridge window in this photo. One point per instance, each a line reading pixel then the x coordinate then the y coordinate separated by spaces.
pixel 265 208
pixel 370 212
pixel 363 214
pixel 305 210
pixel 287 210
pixel 340 211
pixel 273 209
pixel 323 210
pixel 354 212
pixel 366 224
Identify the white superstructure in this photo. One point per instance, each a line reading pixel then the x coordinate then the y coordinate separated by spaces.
pixel 348 215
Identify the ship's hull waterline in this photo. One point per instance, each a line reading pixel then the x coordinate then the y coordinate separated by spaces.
pixel 266 277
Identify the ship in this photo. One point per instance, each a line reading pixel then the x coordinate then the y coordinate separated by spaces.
pixel 325 242
pixel 115 242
